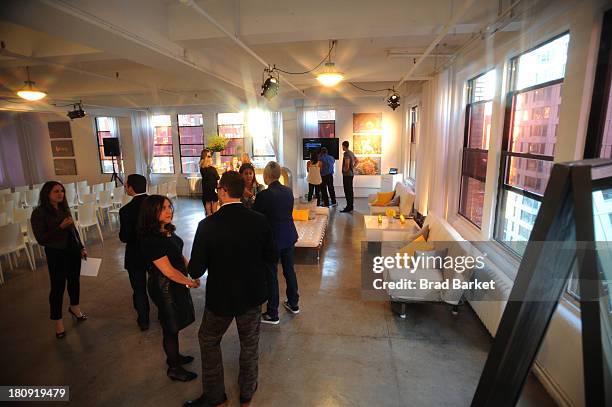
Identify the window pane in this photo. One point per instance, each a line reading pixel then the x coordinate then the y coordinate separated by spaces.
pixel 162 165
pixel 535 120
pixel 190 165
pixel 516 225
pixel 606 142
pixel 191 135
pixel 103 135
pixel 543 64
pixel 472 199
pixel 234 147
pixel 162 150
pixel 528 174
pixel 231 131
pixel 480 125
pixel 262 147
pixel 162 135
pixel 475 164
pixel 192 150
pixel 483 87
pixel 107 166
pixel 230 118
pixel 161 120
pixel 326 115
pixel 190 120
pixel 103 124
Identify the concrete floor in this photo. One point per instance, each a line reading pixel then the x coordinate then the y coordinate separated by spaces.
pixel 339 351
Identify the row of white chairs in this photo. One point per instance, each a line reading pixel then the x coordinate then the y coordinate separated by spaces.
pixel 166 188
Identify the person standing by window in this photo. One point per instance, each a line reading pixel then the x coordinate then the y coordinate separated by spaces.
pixel 348 163
pixel 168 282
pixel 210 176
pixel 327 175
pixel 54 229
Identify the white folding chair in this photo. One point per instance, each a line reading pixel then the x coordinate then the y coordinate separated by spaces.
pixel 105 203
pixel 88 218
pixel 12 241
pixel 82 184
pixel 72 198
pixel 118 196
pixel 31 197
pixel 38 186
pixel 83 191
pixel 70 185
pixel 162 189
pixel 172 190
pixel 152 189
pixel 109 186
pixel 115 211
pixel 4 192
pixel 89 198
pixel 22 192
pixel 8 207
pixel 14 196
pixel 97 188
pixel 21 216
pixel 32 242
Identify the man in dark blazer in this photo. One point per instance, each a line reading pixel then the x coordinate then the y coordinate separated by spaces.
pixel 135 264
pixel 235 287
pixel 276 202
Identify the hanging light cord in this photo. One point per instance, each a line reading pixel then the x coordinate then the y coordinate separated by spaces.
pixel 371 90
pixel 333 44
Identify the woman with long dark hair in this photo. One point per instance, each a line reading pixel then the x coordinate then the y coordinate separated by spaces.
pixel 251 186
pixel 54 229
pixel 314 177
pixel 168 282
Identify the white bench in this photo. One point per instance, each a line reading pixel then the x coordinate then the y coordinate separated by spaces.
pixel 311 233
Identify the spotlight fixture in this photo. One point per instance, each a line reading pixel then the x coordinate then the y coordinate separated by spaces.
pixel 393 101
pixel 269 89
pixel 330 76
pixel 29 92
pixel 78 112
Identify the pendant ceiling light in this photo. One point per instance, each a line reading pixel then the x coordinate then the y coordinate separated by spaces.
pixel 29 92
pixel 330 76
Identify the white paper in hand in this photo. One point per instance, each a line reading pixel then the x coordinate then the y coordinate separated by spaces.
pixel 90 267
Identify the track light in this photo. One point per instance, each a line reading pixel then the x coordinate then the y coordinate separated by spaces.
pixel 393 101
pixel 78 112
pixel 269 89
pixel 29 92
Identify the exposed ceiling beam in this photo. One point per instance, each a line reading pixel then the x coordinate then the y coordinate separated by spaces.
pixel 233 37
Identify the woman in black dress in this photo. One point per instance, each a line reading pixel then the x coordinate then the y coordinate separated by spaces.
pixel 54 229
pixel 168 282
pixel 210 177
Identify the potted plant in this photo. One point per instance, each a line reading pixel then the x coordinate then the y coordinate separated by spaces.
pixel 216 144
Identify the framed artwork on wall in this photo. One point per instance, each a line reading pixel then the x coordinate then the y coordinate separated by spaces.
pixel 62 148
pixel 65 166
pixel 327 129
pixel 367 165
pixel 59 130
pixel 367 144
pixel 367 122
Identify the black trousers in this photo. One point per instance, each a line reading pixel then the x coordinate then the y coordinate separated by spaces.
pixel 140 299
pixel 327 188
pixel 211 332
pixel 317 192
pixel 64 267
pixel 286 257
pixel 171 347
pixel 347 182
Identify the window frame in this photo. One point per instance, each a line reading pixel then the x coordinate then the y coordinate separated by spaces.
pixel 119 160
pixel 171 144
pixel 505 154
pixel 466 149
pixel 178 126
pixel 232 138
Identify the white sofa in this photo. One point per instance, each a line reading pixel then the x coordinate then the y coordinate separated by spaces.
pixel 405 204
pixel 311 232
pixel 446 242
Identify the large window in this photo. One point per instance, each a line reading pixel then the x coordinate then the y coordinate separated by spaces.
pixel 191 141
pixel 231 126
pixel 530 135
pixel 326 123
pixel 106 128
pixel 163 161
pixel 412 130
pixel 478 114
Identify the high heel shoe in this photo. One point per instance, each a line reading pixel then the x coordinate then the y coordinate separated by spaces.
pixel 79 318
pixel 60 335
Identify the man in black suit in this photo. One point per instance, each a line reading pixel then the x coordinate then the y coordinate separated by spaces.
pixel 235 287
pixel 276 202
pixel 135 264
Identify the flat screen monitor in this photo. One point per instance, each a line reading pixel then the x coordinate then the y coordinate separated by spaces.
pixel 315 144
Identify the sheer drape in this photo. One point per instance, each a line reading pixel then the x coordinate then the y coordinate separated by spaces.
pixel 432 151
pixel 142 133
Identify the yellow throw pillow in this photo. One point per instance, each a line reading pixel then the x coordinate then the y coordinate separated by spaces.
pixel 300 214
pixel 419 244
pixel 383 198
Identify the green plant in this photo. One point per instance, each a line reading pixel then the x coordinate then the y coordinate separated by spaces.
pixel 217 143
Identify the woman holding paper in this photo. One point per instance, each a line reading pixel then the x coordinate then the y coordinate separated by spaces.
pixel 54 229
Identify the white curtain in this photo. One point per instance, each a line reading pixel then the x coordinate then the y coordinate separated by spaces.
pixel 432 150
pixel 142 133
pixel 277 135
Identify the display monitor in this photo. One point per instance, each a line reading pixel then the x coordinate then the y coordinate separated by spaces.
pixel 315 144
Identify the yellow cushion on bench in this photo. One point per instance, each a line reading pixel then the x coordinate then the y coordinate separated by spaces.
pixel 383 198
pixel 300 214
pixel 419 244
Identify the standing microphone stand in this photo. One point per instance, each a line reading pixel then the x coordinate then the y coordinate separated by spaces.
pixel 115 177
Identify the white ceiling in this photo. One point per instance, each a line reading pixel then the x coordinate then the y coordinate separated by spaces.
pixel 127 53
